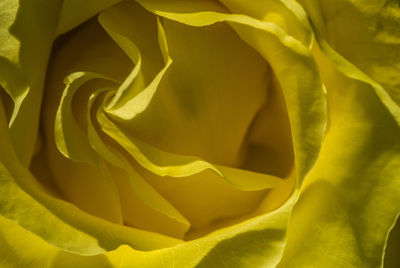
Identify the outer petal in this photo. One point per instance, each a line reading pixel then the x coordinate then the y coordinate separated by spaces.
pixel 374 61
pixel 20 248
pixel 270 226
pixel 368 49
pixel 352 197
pixel 27 31
pixel 24 249
pixel 26 34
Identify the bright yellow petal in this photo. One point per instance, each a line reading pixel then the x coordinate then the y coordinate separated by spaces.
pixel 351 198
pixel 366 49
pixel 288 57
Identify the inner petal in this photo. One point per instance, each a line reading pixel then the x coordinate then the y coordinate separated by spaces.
pixel 209 96
pixel 204 107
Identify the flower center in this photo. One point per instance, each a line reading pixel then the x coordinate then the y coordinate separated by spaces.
pixel 164 127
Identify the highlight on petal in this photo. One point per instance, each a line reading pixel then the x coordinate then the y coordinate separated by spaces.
pixel 308 115
pixel 145 154
pixel 83 233
pixel 140 187
pixel 368 79
pixel 351 198
pixel 25 248
pixel 150 141
pixel 86 84
pixel 391 258
pixel 71 141
pixel 367 51
pixel 26 35
pixel 280 12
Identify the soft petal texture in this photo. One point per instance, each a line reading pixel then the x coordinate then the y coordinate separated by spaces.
pixel 200 197
pixel 25 249
pixel 368 49
pixel 20 248
pixel 72 230
pixel 177 12
pixel 27 31
pixel 136 195
pixel 297 75
pixel 351 199
pixel 193 98
pixel 83 184
pixel 75 180
pixel 276 11
pixel 75 185
pixel 288 58
pixel 26 36
pixel 170 132
pixel 372 52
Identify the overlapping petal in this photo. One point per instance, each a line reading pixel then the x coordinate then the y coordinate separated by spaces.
pixel 81 233
pixel 351 198
pixel 157 161
pixel 360 122
pixel 26 36
pixel 367 51
pixel 337 207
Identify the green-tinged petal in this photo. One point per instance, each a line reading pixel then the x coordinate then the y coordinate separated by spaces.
pixel 27 29
pixel 23 248
pixel 351 199
pixel 367 49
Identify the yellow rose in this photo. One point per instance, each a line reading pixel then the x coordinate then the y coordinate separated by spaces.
pixel 199 133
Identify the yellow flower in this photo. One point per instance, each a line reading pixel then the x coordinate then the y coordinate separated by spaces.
pixel 199 133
